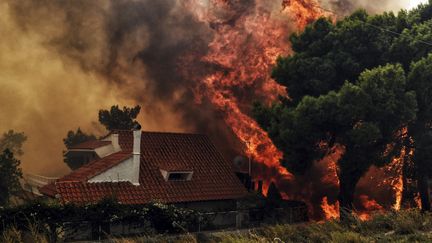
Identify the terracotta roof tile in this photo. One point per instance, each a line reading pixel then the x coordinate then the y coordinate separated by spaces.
pixel 213 177
pixel 96 167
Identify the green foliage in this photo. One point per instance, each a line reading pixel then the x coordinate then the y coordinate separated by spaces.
pixel 412 44
pixel 50 218
pixel 13 141
pixel 74 138
pixel 10 173
pixel 420 130
pixel 117 119
pixel 356 83
pixel 327 55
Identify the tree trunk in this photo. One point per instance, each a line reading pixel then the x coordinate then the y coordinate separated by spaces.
pixel 423 188
pixel 347 185
pixel 408 189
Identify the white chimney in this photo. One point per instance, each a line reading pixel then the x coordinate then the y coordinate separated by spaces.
pixel 136 156
pixel 115 142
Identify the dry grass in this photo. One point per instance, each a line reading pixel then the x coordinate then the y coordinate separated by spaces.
pixel 404 226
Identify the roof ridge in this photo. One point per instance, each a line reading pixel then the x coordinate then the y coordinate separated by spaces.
pixel 152 132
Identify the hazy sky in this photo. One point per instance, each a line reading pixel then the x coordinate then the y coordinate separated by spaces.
pixel 413 3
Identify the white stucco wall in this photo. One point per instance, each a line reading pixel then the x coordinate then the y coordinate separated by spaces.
pixel 120 172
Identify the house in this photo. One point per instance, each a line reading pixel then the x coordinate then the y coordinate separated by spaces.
pixel 137 167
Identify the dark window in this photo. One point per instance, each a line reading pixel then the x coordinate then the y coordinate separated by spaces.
pixel 173 176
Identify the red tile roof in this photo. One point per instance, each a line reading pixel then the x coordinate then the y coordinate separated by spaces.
pixel 92 144
pixel 213 177
pixel 89 170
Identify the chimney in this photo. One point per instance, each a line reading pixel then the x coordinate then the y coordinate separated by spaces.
pixel 136 156
pixel 115 142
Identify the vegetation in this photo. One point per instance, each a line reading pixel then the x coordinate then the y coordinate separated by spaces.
pixel 74 138
pixel 49 219
pixel 357 84
pixel 13 141
pixel 113 119
pixel 404 226
pixel 420 130
pixel 10 146
pixel 10 173
pixel 117 119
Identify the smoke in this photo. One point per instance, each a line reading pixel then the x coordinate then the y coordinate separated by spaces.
pixel 43 96
pixel 345 7
pixel 64 60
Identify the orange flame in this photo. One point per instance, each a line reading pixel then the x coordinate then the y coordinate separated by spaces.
pixel 331 177
pixel 331 211
pixel 370 205
pixel 398 187
pixel 245 48
pixel 395 171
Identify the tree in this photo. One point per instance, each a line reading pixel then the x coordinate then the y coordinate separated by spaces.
pixel 328 60
pixel 13 141
pixel 363 117
pixel 420 130
pixel 117 119
pixel 113 119
pixel 74 138
pixel 10 173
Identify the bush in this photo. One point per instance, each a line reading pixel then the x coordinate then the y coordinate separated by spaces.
pixel 49 219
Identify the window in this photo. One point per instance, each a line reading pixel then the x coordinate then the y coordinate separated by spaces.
pixel 176 175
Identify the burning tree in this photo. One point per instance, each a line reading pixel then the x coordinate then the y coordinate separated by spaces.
pixel 365 117
pixel 420 130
